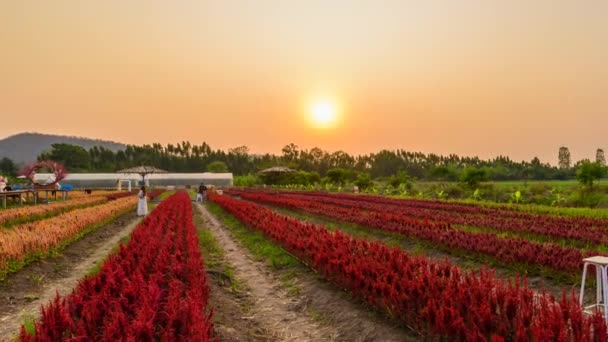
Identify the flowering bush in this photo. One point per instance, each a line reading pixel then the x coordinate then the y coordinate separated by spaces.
pixel 584 229
pixel 436 298
pixel 59 171
pixel 154 289
pixel 21 241
pixel 505 249
pixel 13 214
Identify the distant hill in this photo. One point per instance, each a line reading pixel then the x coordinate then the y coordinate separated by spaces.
pixel 25 147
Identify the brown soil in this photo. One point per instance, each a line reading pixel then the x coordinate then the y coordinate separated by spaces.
pixel 232 316
pixel 319 312
pixel 25 291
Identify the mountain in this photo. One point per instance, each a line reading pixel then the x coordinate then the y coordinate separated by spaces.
pixel 25 147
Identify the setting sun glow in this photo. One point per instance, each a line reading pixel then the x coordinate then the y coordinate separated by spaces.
pixel 323 113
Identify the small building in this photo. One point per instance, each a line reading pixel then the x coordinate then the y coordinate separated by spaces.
pixel 112 180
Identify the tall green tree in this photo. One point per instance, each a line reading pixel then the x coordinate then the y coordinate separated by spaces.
pixel 600 158
pixel 8 167
pixel 75 158
pixel 564 161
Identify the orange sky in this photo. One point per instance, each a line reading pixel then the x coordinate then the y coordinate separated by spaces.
pixel 480 77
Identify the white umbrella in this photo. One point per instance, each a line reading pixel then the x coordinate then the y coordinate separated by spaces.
pixel 143 171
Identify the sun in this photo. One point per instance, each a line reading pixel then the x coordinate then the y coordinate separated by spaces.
pixel 323 113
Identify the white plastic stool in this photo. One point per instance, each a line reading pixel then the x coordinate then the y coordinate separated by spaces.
pixel 601 271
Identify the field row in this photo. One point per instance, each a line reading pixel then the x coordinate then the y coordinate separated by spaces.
pixel 31 240
pixel 436 298
pixel 583 229
pixel 29 213
pixel 155 288
pixel 507 250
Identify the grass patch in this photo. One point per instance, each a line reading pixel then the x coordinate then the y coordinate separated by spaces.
pixel 29 324
pixel 213 254
pixel 263 249
pixel 318 317
pixel 165 195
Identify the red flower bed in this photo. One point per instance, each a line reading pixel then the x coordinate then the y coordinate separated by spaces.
pixel 507 250
pixel 584 229
pixel 121 194
pixel 437 298
pixel 153 289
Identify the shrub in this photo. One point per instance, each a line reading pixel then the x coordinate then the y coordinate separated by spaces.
pixel 337 176
pixel 247 180
pixel 363 181
pixel 589 172
pixel 217 167
pixel 472 176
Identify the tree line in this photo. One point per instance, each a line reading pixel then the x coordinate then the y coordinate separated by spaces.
pixel 186 157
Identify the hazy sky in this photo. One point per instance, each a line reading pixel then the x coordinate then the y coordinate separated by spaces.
pixel 512 77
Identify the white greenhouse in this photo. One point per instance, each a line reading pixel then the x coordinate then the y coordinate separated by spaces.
pixel 123 181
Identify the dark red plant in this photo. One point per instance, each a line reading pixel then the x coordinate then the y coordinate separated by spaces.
pixel 436 297
pixel 154 288
pixel 505 249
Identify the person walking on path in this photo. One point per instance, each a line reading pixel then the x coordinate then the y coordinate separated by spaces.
pixel 142 204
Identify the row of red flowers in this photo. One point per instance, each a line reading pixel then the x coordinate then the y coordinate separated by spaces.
pixel 435 297
pixel 151 195
pixel 507 250
pixel 153 289
pixel 584 229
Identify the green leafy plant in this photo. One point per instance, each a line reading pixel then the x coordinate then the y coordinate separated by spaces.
pixel 516 197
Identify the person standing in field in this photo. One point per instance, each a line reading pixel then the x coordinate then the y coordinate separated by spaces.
pixel 142 204
pixel 202 193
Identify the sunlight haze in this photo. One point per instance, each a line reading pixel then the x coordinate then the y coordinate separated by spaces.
pixel 487 78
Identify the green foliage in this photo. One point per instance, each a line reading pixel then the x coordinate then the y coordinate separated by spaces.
pixel 589 172
pixel 444 173
pixel 75 158
pixel 586 198
pixel 337 176
pixel 472 176
pixel 401 178
pixel 386 163
pixel 247 180
pixel 477 195
pixel 516 197
pixel 7 167
pixel 364 181
pixel 302 178
pixel 217 167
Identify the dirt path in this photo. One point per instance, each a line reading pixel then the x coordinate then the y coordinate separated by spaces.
pixel 319 312
pixel 24 292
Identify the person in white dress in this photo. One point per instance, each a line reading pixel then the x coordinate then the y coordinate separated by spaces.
pixel 142 203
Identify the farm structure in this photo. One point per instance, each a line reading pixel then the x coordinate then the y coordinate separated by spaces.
pixel 110 180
